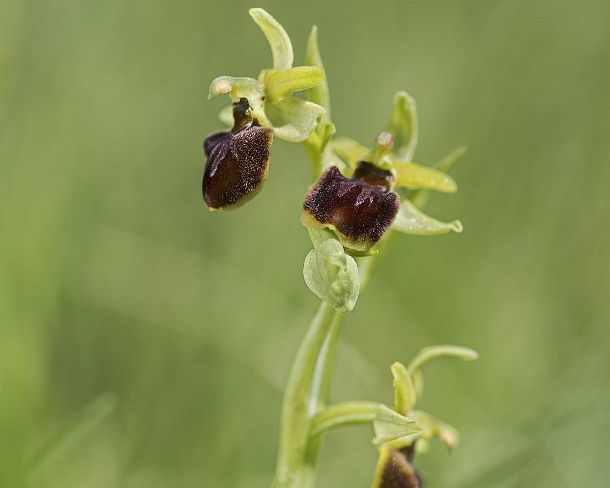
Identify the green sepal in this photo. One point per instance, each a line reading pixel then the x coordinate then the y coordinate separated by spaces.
pixel 417 177
pixel 292 118
pixel 279 42
pixel 332 275
pixel 350 150
pixel 433 352
pixel 280 84
pixel 403 126
pixel 390 425
pixel 405 396
pixel 411 220
pixel 318 94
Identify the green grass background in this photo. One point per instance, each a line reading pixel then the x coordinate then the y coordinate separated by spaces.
pixel 144 342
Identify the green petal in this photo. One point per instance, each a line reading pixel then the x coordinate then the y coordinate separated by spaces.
pixel 332 275
pixel 318 94
pixel 293 119
pixel 416 177
pixel 403 126
pixel 411 220
pixel 390 425
pixel 236 88
pixel 404 390
pixel 420 197
pixel 281 84
pixel 349 150
pixel 281 47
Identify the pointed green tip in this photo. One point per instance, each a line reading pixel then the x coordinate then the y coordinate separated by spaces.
pixel 457 226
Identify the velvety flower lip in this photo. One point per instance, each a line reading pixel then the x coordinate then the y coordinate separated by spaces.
pixel 359 212
pixel 398 472
pixel 237 160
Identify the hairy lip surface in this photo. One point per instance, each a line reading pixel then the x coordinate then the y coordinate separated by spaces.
pixel 359 211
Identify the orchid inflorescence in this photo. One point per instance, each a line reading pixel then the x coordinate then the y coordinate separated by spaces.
pixel 359 196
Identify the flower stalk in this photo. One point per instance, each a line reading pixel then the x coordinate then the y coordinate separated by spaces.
pixel 357 198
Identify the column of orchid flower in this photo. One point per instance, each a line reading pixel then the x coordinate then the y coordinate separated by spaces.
pixel 358 198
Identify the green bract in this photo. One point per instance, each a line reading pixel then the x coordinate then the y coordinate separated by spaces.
pixel 332 275
pixel 271 95
pixel 390 425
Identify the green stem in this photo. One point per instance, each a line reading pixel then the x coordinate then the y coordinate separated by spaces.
pixel 308 385
pixel 305 383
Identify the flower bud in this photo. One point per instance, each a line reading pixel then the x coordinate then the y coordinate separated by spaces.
pixel 359 210
pixel 395 470
pixel 237 161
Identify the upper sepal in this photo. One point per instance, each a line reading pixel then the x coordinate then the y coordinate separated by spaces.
pixel 403 126
pixel 277 37
pixel 318 94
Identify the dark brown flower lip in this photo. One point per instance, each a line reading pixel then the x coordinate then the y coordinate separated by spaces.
pixel 398 472
pixel 237 161
pixel 359 213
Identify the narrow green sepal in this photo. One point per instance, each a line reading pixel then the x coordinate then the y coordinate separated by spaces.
pixel 318 94
pixel 403 126
pixel 280 84
pixel 279 42
pixel 411 220
pixel 433 352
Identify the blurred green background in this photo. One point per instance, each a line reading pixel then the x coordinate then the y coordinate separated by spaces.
pixel 144 342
